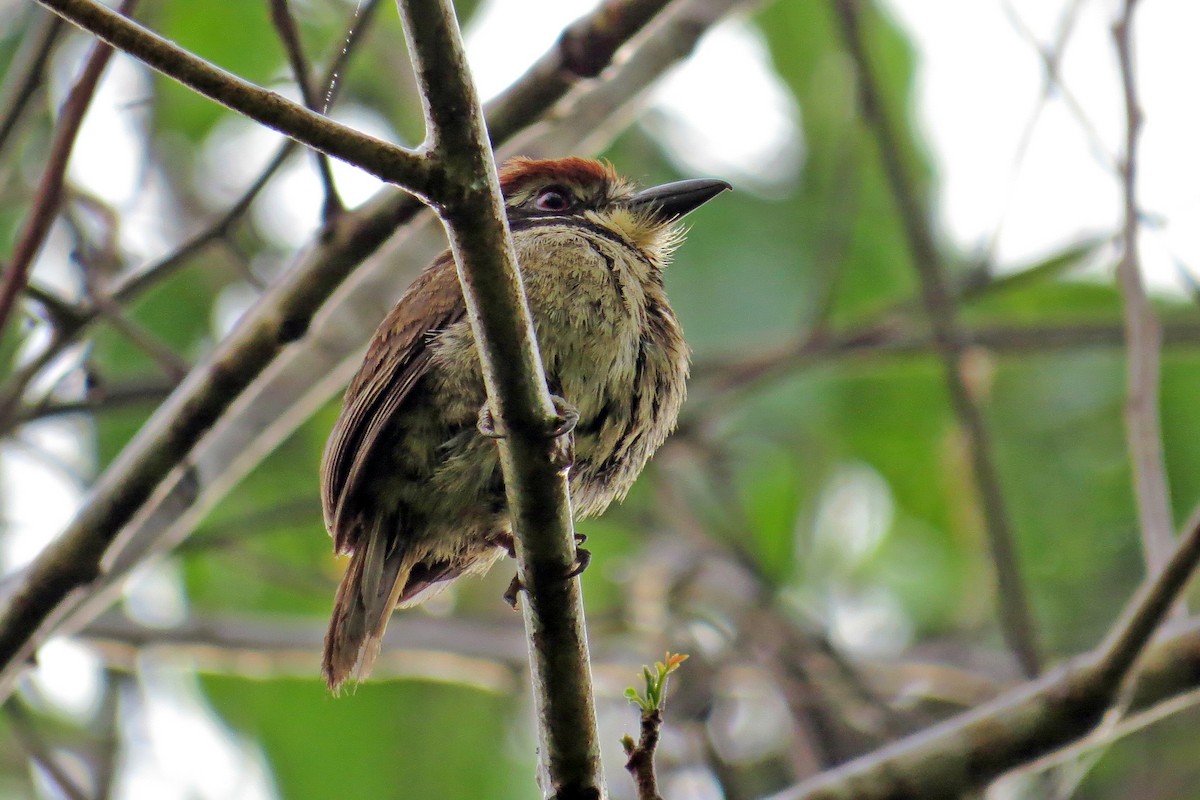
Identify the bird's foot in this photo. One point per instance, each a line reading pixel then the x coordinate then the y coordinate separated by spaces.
pixel 505 541
pixel 515 587
pixel 562 444
pixel 486 423
pixel 582 559
pixel 566 417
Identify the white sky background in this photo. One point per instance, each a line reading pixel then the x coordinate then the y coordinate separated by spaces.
pixel 979 95
pixel 980 87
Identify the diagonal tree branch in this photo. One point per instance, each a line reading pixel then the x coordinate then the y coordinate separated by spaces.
pixel 583 51
pixel 69 328
pixel 1016 621
pixel 27 70
pixel 40 752
pixel 388 162
pixel 964 754
pixel 49 192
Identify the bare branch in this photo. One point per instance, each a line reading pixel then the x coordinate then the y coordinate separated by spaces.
pixel 640 763
pixel 40 752
pixel 60 312
pixel 285 24
pixel 171 363
pixel 409 169
pixel 101 398
pixel 1054 86
pixel 1143 334
pixel 589 120
pixel 583 51
pixel 486 654
pixel 49 192
pixel 533 458
pixel 1016 621
pixel 69 327
pixel 967 752
pixel 727 376
pixel 27 70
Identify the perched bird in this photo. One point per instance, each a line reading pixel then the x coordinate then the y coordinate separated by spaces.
pixel 410 485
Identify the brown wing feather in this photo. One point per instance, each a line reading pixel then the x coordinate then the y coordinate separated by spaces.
pixel 397 358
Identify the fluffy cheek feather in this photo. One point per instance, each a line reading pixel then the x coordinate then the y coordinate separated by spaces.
pixel 656 240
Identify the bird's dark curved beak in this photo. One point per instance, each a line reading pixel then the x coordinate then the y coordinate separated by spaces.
pixel 671 201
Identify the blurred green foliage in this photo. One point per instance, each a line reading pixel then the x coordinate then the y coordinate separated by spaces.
pixel 394 739
pixel 756 272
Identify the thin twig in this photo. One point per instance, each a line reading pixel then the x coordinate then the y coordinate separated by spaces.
pixel 965 753
pixel 171 363
pixel 69 327
pixel 40 752
pixel 27 71
pixel 60 312
pixel 1016 621
pixel 1051 57
pixel 640 756
pixel 1143 334
pixel 245 633
pixel 725 376
pixel 101 398
pixel 107 749
pixel 388 162
pixel 285 25
pixel 49 192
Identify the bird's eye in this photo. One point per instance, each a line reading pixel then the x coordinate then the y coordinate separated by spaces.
pixel 554 198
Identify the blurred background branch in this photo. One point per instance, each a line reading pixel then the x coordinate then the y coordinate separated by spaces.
pixel 965 754
pixel 814 534
pixel 1142 332
pixel 1016 619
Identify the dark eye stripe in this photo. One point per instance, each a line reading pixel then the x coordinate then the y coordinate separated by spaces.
pixel 527 220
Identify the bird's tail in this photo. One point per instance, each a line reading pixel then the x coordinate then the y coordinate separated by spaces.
pixel 369 591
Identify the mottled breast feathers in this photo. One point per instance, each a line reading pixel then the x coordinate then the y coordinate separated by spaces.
pixel 410 488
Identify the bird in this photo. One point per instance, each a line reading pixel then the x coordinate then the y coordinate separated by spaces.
pixel 411 485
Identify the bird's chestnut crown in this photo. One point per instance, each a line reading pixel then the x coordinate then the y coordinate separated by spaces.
pixel 583 187
pixel 554 187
